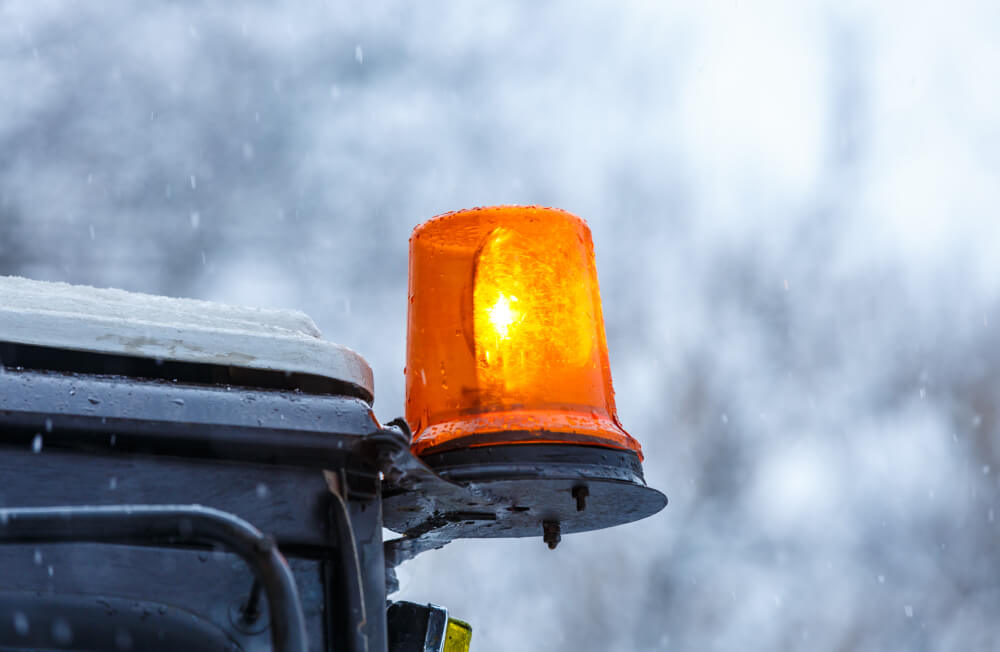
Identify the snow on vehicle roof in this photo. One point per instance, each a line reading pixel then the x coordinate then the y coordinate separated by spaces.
pixel 117 322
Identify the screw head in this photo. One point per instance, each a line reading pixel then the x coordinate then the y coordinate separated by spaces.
pixel 551 533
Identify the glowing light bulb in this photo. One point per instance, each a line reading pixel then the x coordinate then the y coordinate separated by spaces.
pixel 503 315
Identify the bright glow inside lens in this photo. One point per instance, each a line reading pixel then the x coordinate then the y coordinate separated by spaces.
pixel 502 315
pixel 533 316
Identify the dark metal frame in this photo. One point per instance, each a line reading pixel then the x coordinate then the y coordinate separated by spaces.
pixel 126 453
pixel 114 453
pixel 163 525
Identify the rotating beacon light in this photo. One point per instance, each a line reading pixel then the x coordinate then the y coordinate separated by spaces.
pixel 506 339
pixel 507 377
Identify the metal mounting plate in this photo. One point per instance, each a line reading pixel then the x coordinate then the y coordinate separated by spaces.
pixel 511 491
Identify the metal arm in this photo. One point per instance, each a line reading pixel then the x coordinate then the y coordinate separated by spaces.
pixel 171 524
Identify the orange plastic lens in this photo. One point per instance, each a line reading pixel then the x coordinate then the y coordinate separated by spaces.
pixel 506 338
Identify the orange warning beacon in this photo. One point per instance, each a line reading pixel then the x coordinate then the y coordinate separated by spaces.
pixel 508 387
pixel 506 339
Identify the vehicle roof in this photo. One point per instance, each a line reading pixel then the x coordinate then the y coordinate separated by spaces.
pixel 116 322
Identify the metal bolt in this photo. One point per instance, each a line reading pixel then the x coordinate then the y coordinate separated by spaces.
pixel 581 493
pixel 551 533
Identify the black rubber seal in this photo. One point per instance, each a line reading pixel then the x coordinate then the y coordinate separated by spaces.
pixel 526 460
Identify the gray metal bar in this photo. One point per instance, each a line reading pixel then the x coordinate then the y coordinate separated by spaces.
pixel 171 524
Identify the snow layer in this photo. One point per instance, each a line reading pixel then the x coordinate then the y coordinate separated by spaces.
pixel 185 330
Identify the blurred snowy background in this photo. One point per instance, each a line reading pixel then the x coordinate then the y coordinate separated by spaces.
pixel 795 212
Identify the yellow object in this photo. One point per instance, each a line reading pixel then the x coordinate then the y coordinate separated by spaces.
pixel 458 637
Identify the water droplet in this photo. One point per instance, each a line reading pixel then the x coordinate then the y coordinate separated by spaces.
pixel 48 425
pixel 359 54
pixel 177 401
pixel 113 483
pixel 908 610
pixel 62 633
pixel 195 219
pixel 21 625
pixel 38 557
pixel 51 570
pixel 36 443
pixel 262 490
